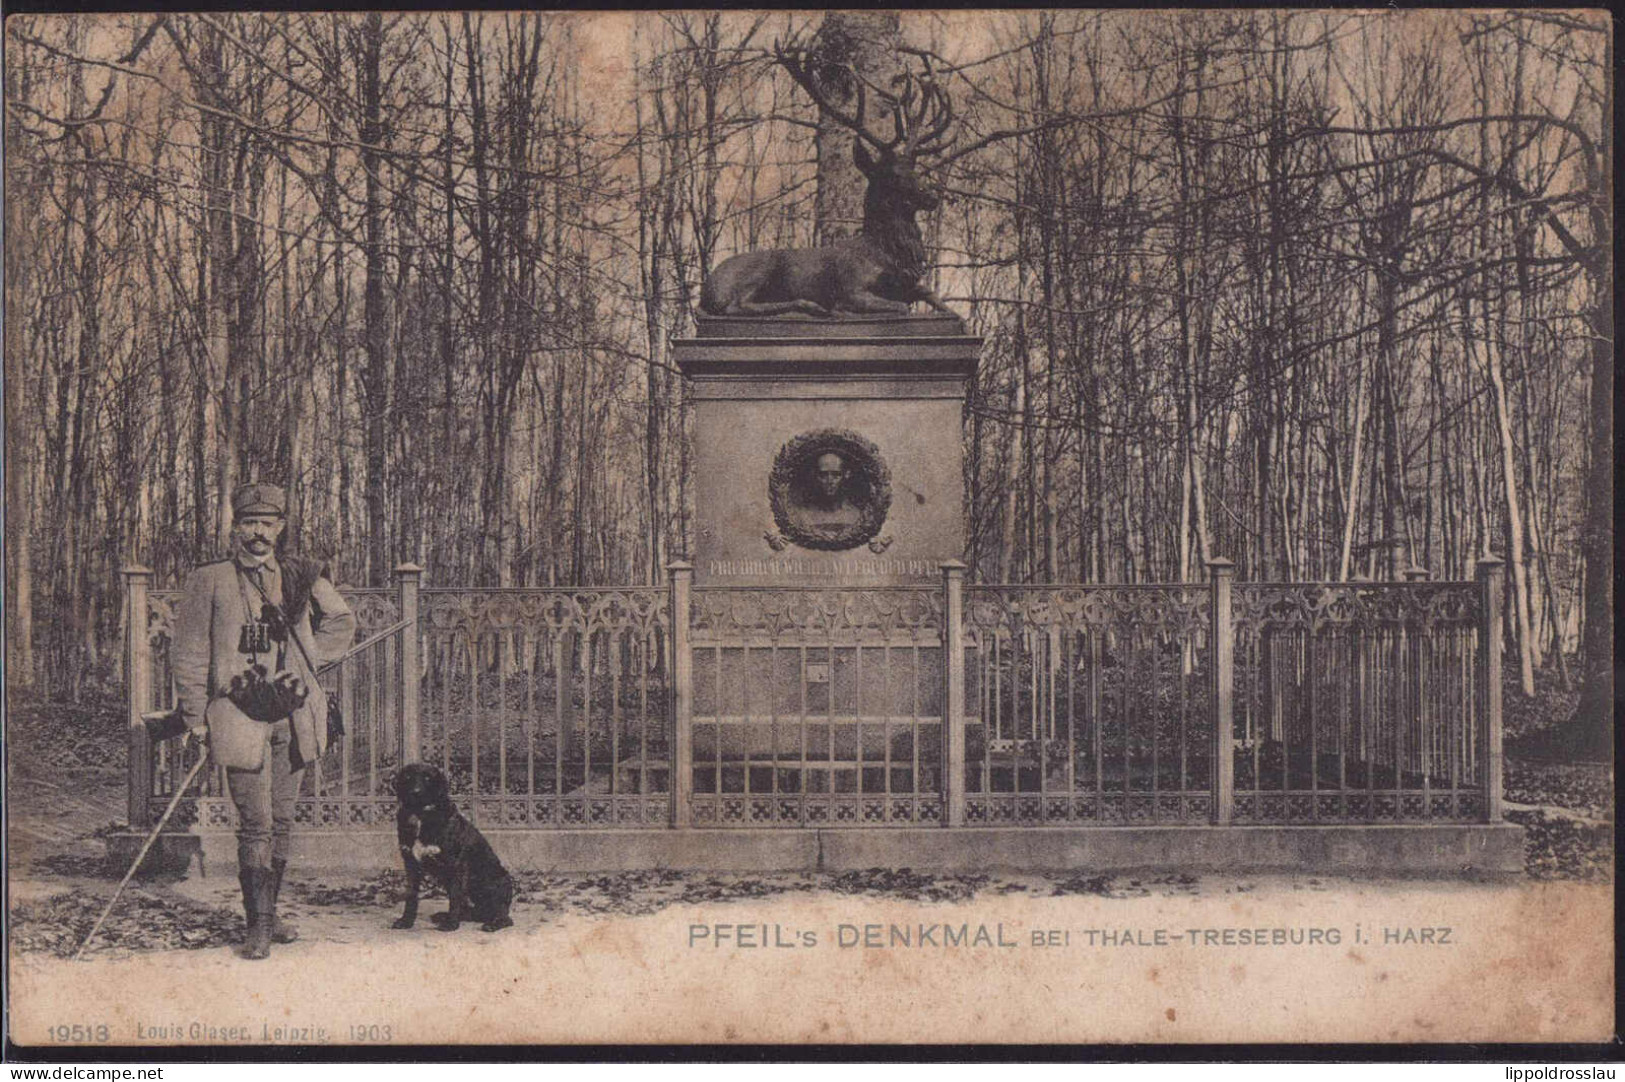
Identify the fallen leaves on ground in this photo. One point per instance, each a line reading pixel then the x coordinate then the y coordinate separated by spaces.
pixel 1583 788
pixel 907 883
pixel 1529 717
pixel 1556 847
pixel 140 922
pixel 383 889
pixel 50 736
pixel 635 893
pixel 1083 884
pixel 73 866
pixel 640 893
pixel 1124 886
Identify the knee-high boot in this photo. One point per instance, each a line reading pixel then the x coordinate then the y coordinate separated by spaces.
pixel 256 883
pixel 281 931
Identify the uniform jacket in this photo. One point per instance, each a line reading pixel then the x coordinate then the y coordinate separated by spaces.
pixel 205 657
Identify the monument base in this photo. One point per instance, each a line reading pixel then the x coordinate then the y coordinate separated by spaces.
pixel 1421 849
pixel 874 405
pixel 913 325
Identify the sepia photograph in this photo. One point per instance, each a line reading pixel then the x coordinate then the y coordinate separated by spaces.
pixel 808 528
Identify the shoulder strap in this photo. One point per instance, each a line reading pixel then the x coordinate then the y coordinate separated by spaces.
pixel 286 623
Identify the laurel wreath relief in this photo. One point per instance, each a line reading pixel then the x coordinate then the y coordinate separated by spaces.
pixel 868 489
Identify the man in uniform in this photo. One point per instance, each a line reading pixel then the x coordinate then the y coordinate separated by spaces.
pixel 251 633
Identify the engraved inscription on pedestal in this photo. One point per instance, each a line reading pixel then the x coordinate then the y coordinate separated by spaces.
pixel 830 491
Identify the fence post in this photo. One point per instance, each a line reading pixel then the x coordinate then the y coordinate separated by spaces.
pixel 681 573
pixel 1417 686
pixel 137 691
pixel 1223 648
pixel 408 580
pixel 1492 584
pixel 953 697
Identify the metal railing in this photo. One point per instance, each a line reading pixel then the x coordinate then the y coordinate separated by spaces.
pixel 959 706
pixel 1088 704
pixel 549 707
pixel 816 706
pixel 1360 702
pixel 348 787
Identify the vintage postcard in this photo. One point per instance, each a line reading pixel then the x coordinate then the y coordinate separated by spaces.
pixel 808 528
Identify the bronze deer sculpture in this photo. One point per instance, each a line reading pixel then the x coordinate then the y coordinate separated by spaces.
pixel 880 269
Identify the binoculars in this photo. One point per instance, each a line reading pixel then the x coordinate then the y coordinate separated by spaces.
pixel 258 637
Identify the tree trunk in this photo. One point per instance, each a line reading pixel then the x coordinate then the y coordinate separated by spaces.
pixel 220 421
pixel 21 379
pixel 1351 501
pixel 1514 513
pixel 1593 721
pixel 868 41
pixel 375 376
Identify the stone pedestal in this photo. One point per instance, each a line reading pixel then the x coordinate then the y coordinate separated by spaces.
pixel 827 452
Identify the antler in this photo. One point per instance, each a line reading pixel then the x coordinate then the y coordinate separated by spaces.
pixel 798 62
pixel 922 111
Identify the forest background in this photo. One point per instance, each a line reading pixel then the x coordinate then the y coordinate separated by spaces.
pixel 1325 293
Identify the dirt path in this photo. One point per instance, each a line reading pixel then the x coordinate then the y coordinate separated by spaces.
pixel 614 957
pixel 1501 963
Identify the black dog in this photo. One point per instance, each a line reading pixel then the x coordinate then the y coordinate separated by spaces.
pixel 435 838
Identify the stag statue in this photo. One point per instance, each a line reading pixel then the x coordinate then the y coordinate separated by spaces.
pixel 880 270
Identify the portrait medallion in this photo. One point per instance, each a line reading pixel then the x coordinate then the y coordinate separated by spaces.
pixel 830 490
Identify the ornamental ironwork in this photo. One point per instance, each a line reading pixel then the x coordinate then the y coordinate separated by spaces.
pixel 1257 606
pixel 375 609
pixel 1087 705
pixel 539 611
pixel 1178 610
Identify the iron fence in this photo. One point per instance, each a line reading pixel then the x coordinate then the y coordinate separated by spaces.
pixel 1358 702
pixel 979 706
pixel 816 706
pixel 548 707
pixel 1087 704
pixel 347 788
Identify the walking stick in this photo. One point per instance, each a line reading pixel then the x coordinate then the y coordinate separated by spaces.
pixel 174 802
pixel 167 725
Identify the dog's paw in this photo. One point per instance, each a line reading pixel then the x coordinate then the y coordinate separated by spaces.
pixel 497 925
pixel 419 850
pixel 403 923
pixel 446 922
